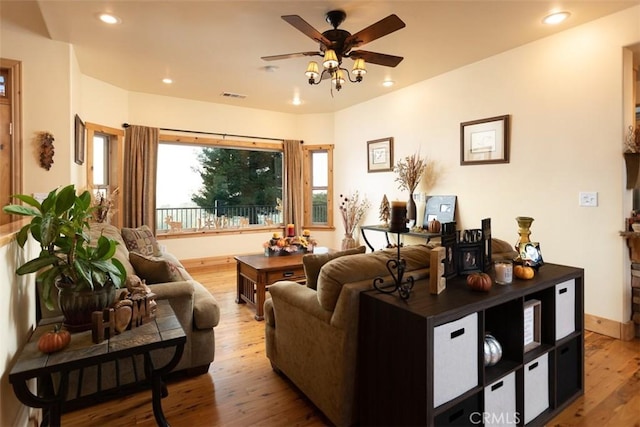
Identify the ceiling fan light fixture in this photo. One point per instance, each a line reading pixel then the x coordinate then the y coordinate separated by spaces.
pixel 338 78
pixel 312 72
pixel 359 69
pixel 330 59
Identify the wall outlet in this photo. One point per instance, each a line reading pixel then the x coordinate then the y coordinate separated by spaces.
pixel 588 198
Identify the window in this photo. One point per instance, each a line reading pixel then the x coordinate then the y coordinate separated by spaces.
pixel 104 166
pixel 318 186
pixel 212 184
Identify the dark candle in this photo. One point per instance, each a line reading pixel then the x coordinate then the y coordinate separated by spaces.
pixel 398 221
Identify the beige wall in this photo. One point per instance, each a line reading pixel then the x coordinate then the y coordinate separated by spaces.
pixel 16 304
pixel 564 95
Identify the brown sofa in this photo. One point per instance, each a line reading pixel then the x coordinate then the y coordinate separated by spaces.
pixel 194 306
pixel 312 331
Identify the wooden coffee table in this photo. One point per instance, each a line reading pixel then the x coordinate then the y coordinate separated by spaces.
pixel 257 272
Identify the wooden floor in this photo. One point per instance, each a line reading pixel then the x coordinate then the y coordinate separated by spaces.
pixel 242 390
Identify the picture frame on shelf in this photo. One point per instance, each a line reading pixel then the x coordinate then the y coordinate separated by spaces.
pixel 79 140
pixel 380 155
pixel 442 208
pixel 485 141
pixel 532 324
pixel 470 258
pixel 531 254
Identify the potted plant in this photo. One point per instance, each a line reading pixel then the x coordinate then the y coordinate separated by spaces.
pixel 85 274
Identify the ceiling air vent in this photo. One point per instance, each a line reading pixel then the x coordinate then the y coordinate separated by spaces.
pixel 233 95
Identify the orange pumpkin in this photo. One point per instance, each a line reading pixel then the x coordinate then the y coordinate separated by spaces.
pixel 54 340
pixel 479 281
pixel 523 272
pixel 433 226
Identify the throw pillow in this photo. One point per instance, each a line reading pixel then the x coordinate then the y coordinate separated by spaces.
pixel 141 240
pixel 157 269
pixel 312 263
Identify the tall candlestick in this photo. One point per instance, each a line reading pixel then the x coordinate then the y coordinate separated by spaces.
pixel 398 223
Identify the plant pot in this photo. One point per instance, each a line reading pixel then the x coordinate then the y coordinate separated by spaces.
pixel 78 306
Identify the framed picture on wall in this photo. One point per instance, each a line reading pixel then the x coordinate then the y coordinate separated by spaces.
pixel 485 141
pixel 380 155
pixel 79 140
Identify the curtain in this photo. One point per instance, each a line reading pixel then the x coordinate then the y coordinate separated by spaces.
pixel 140 165
pixel 293 197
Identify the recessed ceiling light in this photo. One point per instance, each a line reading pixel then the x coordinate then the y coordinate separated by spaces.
pixel 296 101
pixel 556 18
pixel 108 18
pixel 167 80
pixel 388 83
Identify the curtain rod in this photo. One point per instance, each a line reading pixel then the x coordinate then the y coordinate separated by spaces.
pixel 223 135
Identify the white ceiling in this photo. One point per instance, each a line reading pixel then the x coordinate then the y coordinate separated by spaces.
pixel 211 47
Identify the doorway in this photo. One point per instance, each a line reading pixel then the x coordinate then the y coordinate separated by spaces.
pixel 10 133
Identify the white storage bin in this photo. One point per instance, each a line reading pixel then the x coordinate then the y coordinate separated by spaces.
pixel 500 402
pixel 536 387
pixel 565 308
pixel 455 358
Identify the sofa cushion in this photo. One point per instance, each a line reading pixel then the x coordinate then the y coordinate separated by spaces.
pixel 313 263
pixel 141 240
pixel 157 269
pixel 502 250
pixel 355 268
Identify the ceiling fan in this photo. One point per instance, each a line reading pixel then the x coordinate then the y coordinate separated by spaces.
pixel 336 44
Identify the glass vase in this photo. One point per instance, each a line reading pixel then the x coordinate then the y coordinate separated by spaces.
pixel 348 242
pixel 524 225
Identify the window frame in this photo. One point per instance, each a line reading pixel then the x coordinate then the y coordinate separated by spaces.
pixel 115 170
pixel 308 188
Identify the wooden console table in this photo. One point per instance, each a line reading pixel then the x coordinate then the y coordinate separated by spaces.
pixel 164 331
pixel 379 228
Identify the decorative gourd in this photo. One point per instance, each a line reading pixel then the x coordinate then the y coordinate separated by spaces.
pixel 492 350
pixel 433 226
pixel 479 281
pixel 523 272
pixel 54 340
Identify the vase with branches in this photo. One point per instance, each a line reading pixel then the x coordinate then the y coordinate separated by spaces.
pixel 352 209
pixel 410 171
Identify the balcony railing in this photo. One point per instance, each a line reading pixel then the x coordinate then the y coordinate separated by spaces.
pixel 197 218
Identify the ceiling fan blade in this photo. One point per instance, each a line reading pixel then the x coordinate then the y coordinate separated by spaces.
pixel 376 58
pixel 290 55
pixel 374 31
pixel 306 29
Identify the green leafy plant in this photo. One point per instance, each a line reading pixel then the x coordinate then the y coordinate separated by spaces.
pixel 67 259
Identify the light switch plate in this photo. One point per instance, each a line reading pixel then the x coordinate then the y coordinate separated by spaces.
pixel 588 198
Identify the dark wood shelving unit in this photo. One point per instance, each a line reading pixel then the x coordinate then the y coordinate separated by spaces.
pixel 401 343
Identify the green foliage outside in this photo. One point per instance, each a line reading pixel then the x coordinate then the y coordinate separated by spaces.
pixel 239 178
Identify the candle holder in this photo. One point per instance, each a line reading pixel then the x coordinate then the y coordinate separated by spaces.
pixel 396 268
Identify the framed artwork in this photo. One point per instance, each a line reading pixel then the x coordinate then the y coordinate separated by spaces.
pixel 79 140
pixel 485 141
pixel 380 155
